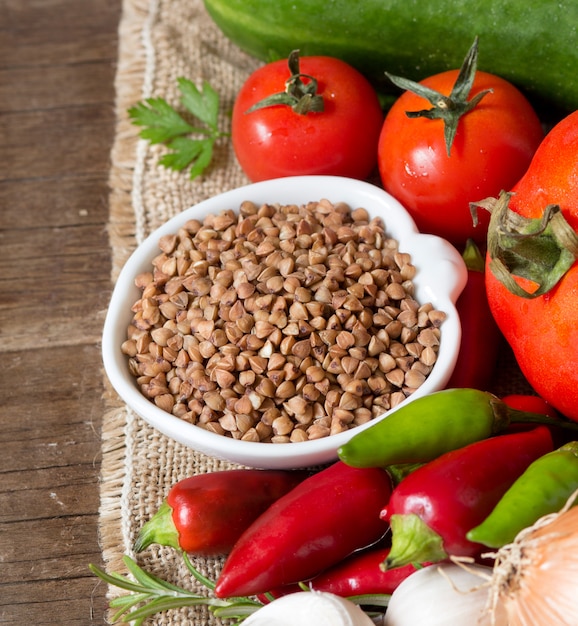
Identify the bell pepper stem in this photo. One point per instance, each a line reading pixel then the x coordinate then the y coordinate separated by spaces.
pixel 413 541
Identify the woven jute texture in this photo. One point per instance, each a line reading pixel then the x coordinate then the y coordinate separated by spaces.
pixel 160 41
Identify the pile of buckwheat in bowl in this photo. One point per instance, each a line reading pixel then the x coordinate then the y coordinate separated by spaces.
pixel 280 323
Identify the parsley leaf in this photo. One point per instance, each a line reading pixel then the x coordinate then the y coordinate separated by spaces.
pixel 187 144
pixel 162 121
pixel 204 104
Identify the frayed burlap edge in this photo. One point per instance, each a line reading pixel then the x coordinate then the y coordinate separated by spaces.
pixel 138 463
pixel 122 237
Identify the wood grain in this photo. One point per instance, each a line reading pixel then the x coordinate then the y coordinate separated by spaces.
pixel 57 69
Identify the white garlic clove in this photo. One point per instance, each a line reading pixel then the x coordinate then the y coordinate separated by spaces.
pixel 309 608
pixel 444 595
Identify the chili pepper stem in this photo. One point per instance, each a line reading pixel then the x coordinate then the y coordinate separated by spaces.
pixel 159 529
pixel 506 415
pixel 412 542
pixel 400 471
pixel 472 256
pixel 522 417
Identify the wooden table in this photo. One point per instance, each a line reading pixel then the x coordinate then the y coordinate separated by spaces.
pixel 57 68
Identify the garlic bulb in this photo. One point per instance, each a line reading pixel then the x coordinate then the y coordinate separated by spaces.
pixel 309 608
pixel 444 594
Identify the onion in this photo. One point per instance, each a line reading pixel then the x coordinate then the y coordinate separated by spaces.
pixel 535 577
pixel 447 594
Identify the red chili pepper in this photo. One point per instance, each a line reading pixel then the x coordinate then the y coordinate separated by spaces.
pixel 537 405
pixel 206 514
pixel 481 337
pixel 530 404
pixel 359 574
pixel 316 525
pixel 432 509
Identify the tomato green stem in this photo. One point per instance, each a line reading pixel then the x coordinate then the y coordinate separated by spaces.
pixel 300 95
pixel 447 108
pixel 541 249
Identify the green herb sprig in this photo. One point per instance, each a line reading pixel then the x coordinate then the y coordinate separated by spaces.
pixel 165 125
pixel 149 594
pixel 155 595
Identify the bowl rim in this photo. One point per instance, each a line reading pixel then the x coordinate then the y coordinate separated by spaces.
pixel 449 268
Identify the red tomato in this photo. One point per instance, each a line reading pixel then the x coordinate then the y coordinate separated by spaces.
pixel 543 331
pixel 492 148
pixel 276 141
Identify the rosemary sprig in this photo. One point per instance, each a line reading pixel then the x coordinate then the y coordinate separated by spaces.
pixel 155 595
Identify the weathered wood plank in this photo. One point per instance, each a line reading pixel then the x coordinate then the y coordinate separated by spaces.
pixel 63 602
pixel 57 67
pixel 45 143
pixel 63 200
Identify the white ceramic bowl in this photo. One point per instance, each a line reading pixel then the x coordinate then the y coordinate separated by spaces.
pixel 440 278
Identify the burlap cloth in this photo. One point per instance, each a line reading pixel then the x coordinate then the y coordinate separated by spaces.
pixel 161 40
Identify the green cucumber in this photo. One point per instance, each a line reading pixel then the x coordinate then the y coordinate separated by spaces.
pixel 532 44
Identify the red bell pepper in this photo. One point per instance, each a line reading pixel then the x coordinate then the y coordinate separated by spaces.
pixel 206 514
pixel 432 510
pixel 481 337
pixel 316 525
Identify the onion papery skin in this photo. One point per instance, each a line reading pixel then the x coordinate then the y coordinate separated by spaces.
pixel 536 577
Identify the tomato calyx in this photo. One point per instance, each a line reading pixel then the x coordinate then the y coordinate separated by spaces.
pixel 540 250
pixel 447 108
pixel 301 95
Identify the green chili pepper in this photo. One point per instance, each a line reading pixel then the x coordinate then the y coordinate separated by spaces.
pixel 433 425
pixel 543 488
